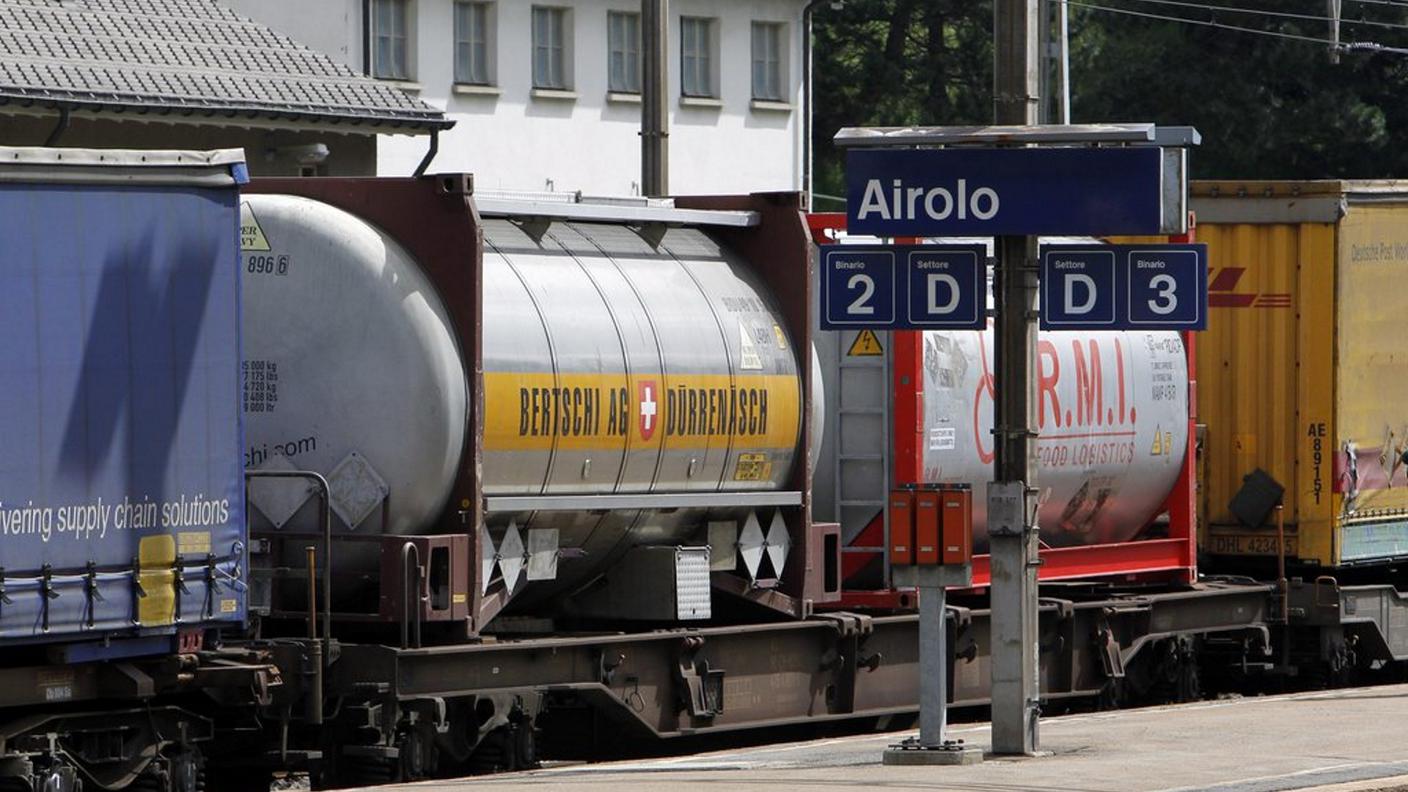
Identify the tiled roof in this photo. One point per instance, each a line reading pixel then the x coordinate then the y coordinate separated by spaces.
pixel 192 58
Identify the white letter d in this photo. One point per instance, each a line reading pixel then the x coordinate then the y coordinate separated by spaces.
pixel 1089 283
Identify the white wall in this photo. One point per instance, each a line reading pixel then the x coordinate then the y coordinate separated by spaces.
pixel 514 141
pixel 331 26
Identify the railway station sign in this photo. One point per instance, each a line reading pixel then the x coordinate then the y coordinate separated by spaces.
pixel 1005 191
pixel 1124 287
pixel 903 287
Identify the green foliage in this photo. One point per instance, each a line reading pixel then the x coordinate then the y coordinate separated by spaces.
pixel 1267 107
pixel 898 62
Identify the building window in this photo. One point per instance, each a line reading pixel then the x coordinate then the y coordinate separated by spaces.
pixel 697 57
pixel 767 61
pixel 390 59
pixel 550 48
pixel 472 40
pixel 623 52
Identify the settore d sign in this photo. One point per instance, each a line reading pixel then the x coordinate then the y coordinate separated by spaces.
pixel 998 191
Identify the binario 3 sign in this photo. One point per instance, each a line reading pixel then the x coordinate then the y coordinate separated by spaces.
pixel 1004 191
pixel 1124 287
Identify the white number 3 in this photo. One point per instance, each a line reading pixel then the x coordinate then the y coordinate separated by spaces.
pixel 1166 301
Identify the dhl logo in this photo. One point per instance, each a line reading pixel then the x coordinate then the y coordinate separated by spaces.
pixel 1222 292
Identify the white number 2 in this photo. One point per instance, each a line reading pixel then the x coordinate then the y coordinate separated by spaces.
pixel 859 306
pixel 1167 301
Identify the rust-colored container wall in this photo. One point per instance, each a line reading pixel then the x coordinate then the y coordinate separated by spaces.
pixel 1297 373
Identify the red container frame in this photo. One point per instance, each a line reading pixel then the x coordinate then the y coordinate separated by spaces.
pixel 1172 559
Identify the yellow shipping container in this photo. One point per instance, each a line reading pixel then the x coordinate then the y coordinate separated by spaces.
pixel 1300 372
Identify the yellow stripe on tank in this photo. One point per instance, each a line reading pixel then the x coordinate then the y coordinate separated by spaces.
pixel 535 411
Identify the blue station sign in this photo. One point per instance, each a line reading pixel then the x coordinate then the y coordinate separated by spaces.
pixel 998 191
pixel 903 287
pixel 1124 287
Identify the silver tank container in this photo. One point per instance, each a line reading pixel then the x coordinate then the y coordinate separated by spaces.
pixel 611 366
pixel 1113 423
pixel 350 368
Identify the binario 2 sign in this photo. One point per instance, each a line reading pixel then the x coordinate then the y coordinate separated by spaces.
pixel 1000 191
pixel 903 287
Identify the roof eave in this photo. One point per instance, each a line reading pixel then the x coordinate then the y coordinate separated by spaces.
pixel 251 117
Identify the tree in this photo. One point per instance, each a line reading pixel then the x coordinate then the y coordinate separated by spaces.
pixel 898 62
pixel 1267 107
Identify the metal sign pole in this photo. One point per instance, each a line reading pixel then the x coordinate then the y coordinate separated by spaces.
pixel 933 746
pixel 1009 181
pixel 1014 548
pixel 933 668
pixel 948 181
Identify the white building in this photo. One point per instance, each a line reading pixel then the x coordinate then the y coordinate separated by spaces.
pixel 108 74
pixel 546 95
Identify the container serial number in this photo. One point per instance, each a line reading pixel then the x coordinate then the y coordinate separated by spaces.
pixel 1243 544
pixel 266 265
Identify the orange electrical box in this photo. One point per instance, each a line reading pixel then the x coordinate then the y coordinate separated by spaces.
pixel 928 538
pixel 901 527
pixel 957 509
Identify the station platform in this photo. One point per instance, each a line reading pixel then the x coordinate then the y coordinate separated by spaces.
pixel 1341 740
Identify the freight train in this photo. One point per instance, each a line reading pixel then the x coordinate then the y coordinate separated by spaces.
pixel 385 479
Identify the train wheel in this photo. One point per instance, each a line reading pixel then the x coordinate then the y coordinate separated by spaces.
pixel 362 772
pixel 417 753
pixel 239 781
pixel 181 772
pixel 513 746
pixel 59 777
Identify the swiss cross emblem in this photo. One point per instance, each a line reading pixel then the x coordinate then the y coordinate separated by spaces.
pixel 649 407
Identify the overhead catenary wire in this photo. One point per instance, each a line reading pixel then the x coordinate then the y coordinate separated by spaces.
pixel 1198 22
pixel 1393 3
pixel 1279 14
pixel 1349 46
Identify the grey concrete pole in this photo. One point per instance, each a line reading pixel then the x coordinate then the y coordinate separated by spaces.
pixel 1015 682
pixel 655 95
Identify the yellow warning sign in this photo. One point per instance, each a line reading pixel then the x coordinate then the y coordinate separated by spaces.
pixel 867 344
pixel 251 235
pixel 155 557
pixel 1163 443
